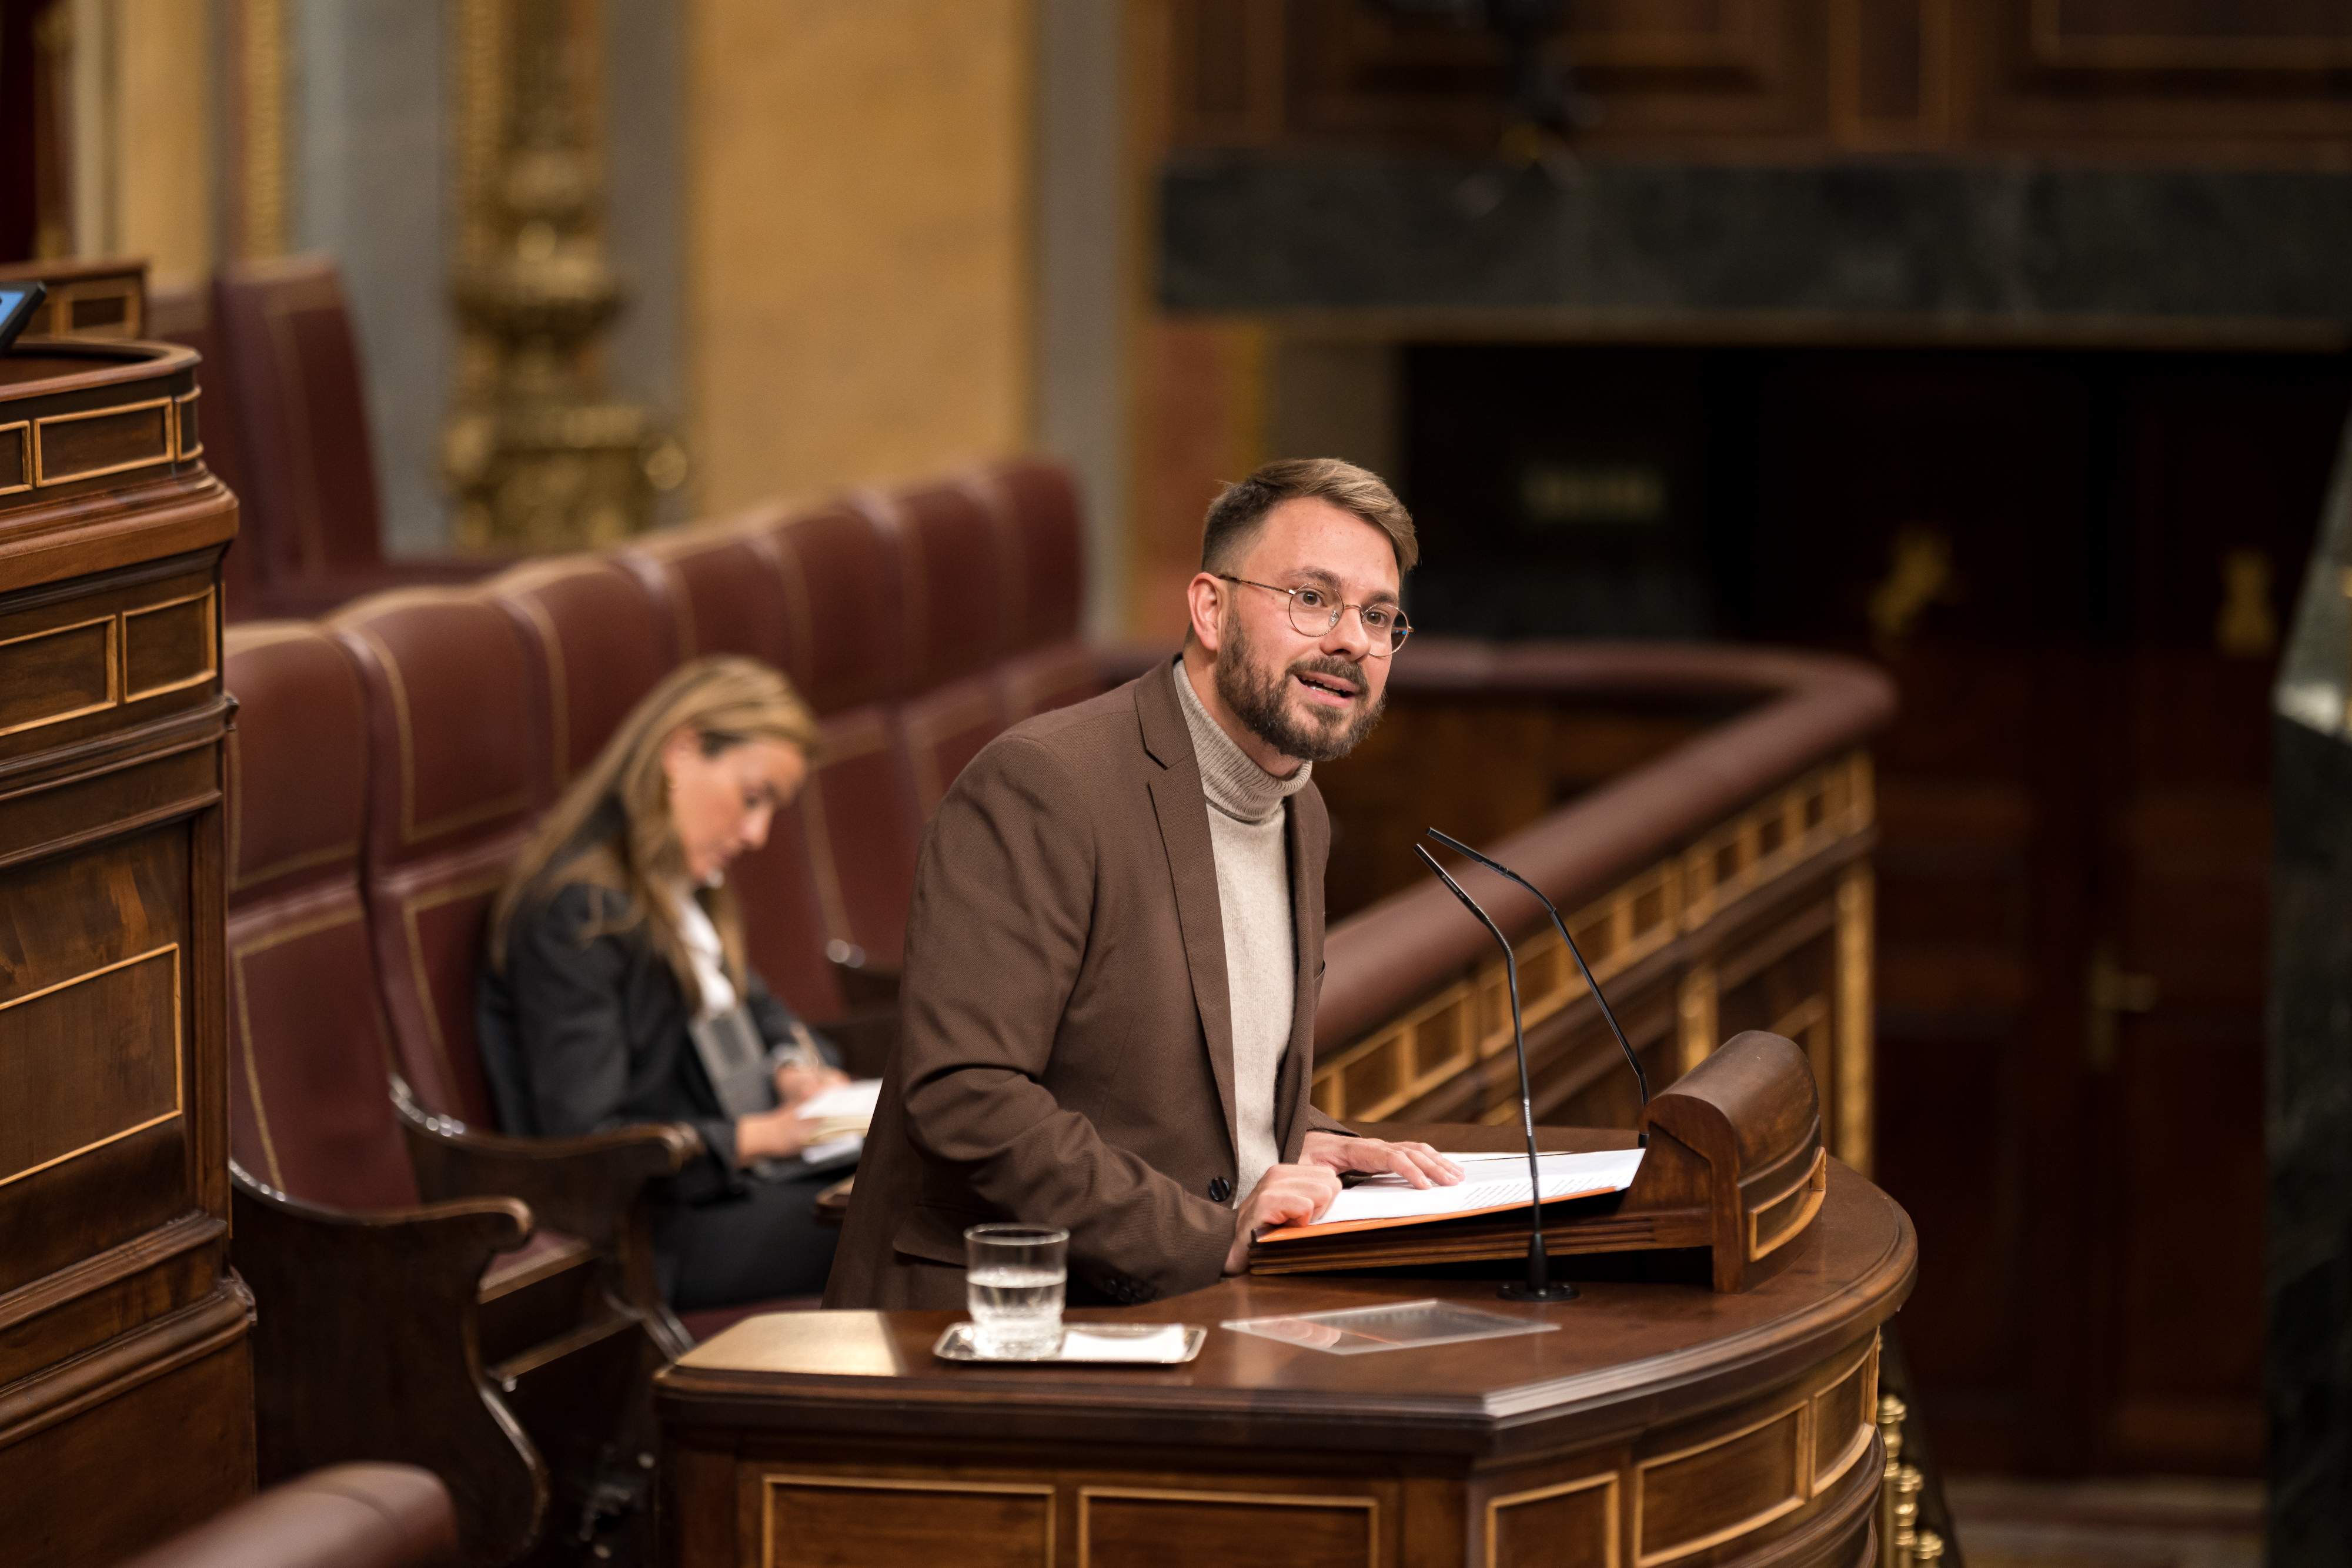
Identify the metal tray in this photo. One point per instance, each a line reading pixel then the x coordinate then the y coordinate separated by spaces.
pixel 956 1344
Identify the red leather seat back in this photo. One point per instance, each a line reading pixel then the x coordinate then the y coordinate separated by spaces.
pixel 598 641
pixel 858 814
pixel 1038 512
pixel 725 591
pixel 290 368
pixel 463 749
pixel 310 1111
pixel 959 626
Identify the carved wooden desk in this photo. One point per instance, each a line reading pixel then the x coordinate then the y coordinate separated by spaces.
pixel 1663 1423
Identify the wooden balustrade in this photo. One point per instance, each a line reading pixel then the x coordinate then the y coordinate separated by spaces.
pixel 1720 882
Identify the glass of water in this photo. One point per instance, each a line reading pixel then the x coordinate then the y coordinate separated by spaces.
pixel 1013 1276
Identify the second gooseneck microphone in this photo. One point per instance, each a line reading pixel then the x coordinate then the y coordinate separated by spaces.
pixel 1538 1286
pixel 1641 1078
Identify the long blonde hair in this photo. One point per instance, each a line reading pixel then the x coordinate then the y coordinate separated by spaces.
pixel 726 702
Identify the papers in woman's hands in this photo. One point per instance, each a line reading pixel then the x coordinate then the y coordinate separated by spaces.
pixel 838 1119
pixel 1490 1185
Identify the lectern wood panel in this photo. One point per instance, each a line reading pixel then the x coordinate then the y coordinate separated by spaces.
pixel 1662 1423
pixel 125 1392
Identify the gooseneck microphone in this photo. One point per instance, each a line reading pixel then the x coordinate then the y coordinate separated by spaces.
pixel 1641 1078
pixel 1538 1286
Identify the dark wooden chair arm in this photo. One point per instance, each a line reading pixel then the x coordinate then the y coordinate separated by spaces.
pixel 863 983
pixel 865 1038
pixel 364 1349
pixel 592 1186
pixel 584 1186
pixel 352 1516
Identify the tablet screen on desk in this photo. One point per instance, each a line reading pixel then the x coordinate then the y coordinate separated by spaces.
pixel 17 303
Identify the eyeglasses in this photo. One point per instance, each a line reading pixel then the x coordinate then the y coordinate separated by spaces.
pixel 1314 612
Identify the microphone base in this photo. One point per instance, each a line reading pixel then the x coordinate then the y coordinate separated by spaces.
pixel 1520 1291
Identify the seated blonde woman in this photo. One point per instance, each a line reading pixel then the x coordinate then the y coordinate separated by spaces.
pixel 616 990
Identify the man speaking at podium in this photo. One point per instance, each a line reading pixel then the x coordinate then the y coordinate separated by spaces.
pixel 1117 938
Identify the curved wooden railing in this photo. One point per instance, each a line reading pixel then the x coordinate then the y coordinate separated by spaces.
pixel 1719 882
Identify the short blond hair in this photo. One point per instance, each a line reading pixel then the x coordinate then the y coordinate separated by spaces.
pixel 1235 515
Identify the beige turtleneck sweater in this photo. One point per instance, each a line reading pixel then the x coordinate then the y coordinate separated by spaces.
pixel 1246 829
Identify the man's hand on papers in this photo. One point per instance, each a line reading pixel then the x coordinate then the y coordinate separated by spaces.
pixel 1418 1164
pixel 1285 1194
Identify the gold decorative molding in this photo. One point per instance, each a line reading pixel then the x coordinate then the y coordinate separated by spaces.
pixel 1697 1031
pixel 210 638
pixel 1497 1506
pixel 22 430
pixel 773 1483
pixel 170 950
pixel 2053 45
pixel 184 425
pixel 1370 1506
pixel 1798 1417
pixel 162 408
pixel 110 654
pixel 537 456
pixel 1856 1038
pixel 1463 1024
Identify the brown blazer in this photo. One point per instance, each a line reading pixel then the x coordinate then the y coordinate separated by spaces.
pixel 1065 1053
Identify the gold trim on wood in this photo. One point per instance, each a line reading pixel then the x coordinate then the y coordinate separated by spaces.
pixel 23 430
pixel 130 288
pixel 178 1073
pixel 1799 1490
pixel 42 477
pixel 113 671
pixel 1808 1195
pixel 1407 1057
pixel 1496 1505
pixel 1695 1035
pixel 1370 1505
pixel 2175 51
pixel 1856 896
pixel 181 408
pixel 212 646
pixel 1865 1367
pixel 772 1481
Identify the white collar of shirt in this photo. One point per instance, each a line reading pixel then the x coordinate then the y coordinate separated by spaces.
pixel 704 950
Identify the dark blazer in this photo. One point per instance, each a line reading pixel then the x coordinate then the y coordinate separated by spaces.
pixel 1065 1053
pixel 584 1032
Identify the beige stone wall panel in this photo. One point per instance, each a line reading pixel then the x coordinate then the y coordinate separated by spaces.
pixel 859 240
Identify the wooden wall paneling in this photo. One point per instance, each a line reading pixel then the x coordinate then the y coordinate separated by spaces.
pixel 1891 73
pixel 2254 77
pixel 2260 79
pixel 1657 71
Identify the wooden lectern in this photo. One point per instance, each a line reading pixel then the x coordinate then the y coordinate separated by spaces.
pixel 1735 1166
pixel 1658 1423
pixel 126 1406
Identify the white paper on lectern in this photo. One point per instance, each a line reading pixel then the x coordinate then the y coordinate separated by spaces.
pixel 1486 1184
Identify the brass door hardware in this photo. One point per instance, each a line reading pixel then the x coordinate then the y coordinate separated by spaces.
pixel 2113 991
pixel 2247 627
pixel 1919 573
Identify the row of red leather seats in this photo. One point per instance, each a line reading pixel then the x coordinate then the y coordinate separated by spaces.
pixel 389 762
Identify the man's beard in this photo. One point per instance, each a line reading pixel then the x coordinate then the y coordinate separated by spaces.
pixel 1259 698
